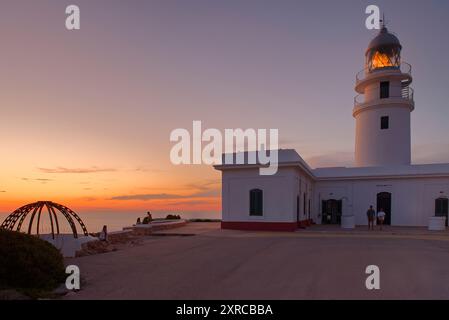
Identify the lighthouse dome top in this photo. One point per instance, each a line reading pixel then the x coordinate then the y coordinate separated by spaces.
pixel 384 51
pixel 384 39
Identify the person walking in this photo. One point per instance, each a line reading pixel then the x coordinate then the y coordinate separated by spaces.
pixel 371 214
pixel 381 217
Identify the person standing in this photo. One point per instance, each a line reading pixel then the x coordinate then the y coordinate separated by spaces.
pixel 381 217
pixel 371 214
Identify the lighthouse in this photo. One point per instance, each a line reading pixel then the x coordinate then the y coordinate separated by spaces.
pixel 298 195
pixel 383 107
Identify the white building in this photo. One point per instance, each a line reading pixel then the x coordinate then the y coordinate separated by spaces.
pixel 383 176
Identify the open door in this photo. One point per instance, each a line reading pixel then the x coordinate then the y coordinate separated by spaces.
pixel 384 203
pixel 331 211
pixel 441 208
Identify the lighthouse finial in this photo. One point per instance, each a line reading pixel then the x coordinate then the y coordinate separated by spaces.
pixel 383 21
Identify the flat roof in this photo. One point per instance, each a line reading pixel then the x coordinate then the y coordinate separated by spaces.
pixel 286 157
pixel 290 158
pixel 406 171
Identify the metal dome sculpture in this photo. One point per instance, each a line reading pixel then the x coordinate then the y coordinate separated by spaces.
pixel 36 208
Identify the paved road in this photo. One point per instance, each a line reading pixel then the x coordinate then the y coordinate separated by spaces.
pixel 216 264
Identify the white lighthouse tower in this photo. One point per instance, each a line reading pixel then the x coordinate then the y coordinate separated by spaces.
pixel 384 104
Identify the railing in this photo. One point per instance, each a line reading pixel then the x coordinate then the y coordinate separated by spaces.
pixel 403 68
pixel 407 94
pixel 359 100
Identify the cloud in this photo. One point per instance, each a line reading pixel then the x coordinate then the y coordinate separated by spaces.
pixel 146 169
pixel 210 188
pixel 335 159
pixel 208 193
pixel 166 196
pixel 190 203
pixel 88 199
pixel 2 191
pixel 76 170
pixel 431 153
pixel 291 141
pixel 41 180
pixel 205 186
pixel 149 196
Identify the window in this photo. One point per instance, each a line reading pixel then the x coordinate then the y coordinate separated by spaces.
pixel 256 202
pixel 297 206
pixel 305 204
pixel 441 207
pixel 309 208
pixel 384 89
pixel 384 123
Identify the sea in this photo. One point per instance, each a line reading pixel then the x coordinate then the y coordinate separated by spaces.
pixel 114 221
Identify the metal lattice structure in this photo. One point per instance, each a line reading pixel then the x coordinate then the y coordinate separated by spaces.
pixel 18 217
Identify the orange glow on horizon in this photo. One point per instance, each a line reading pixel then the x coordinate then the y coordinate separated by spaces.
pixel 106 205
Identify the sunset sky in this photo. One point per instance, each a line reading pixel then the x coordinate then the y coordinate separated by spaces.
pixel 86 115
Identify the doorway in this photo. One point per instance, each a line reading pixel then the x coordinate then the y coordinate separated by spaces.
pixel 384 202
pixel 441 208
pixel 331 211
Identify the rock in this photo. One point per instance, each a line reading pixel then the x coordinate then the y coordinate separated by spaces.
pixel 11 294
pixel 61 290
pixel 70 294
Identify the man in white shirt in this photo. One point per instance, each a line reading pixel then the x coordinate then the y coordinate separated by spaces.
pixel 381 217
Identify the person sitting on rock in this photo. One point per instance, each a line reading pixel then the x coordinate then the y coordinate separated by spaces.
pixel 104 234
pixel 148 218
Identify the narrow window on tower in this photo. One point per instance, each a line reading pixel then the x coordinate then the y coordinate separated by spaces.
pixel 384 89
pixel 384 123
pixel 256 202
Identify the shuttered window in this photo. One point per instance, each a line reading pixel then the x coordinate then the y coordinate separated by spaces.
pixel 441 207
pixel 384 123
pixel 256 202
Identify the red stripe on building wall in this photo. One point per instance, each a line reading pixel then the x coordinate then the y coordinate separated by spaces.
pixel 260 226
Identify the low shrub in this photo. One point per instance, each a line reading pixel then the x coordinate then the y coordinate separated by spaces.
pixel 29 264
pixel 204 220
pixel 173 217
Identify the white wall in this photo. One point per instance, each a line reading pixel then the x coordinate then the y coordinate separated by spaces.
pixel 376 147
pixel 279 194
pixel 413 199
pixel 412 204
